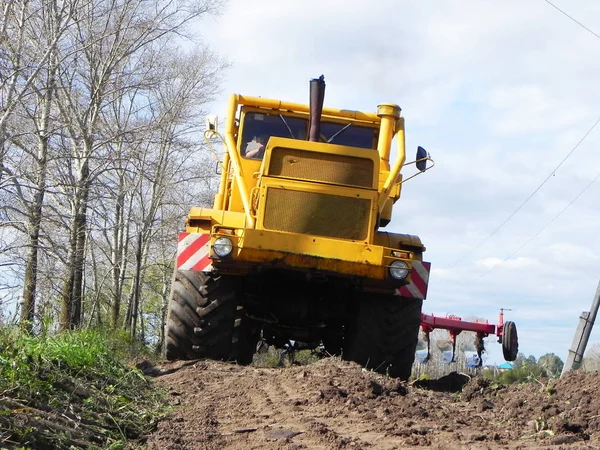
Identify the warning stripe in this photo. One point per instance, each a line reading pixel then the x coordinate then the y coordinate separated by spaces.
pixel 193 252
pixel 419 281
pixel 204 265
pixel 420 277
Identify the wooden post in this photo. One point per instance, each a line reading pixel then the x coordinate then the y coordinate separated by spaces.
pixel 582 335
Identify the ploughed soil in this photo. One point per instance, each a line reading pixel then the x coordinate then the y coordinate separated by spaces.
pixel 334 404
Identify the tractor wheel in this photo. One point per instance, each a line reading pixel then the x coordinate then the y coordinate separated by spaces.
pixel 205 319
pixel 510 341
pixel 385 333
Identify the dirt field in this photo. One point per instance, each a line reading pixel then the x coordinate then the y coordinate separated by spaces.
pixel 336 405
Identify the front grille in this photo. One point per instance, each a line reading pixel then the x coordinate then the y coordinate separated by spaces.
pixel 323 167
pixel 317 214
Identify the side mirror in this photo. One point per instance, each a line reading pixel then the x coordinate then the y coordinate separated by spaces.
pixel 212 123
pixel 421 160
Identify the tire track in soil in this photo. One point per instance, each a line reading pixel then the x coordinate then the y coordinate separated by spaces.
pixel 232 400
pixel 335 425
pixel 336 405
pixel 295 402
pixel 263 407
pixel 182 429
pixel 277 414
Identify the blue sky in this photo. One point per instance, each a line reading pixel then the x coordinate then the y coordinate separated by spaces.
pixel 499 93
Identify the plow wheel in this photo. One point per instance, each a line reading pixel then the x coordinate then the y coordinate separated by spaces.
pixel 510 341
pixel 205 319
pixel 385 333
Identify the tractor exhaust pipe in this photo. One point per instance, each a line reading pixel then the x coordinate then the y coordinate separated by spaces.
pixel 317 97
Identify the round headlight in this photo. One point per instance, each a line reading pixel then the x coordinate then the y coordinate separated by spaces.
pixel 222 247
pixel 399 270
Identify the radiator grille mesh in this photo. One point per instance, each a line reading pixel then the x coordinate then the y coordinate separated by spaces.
pixel 317 214
pixel 323 167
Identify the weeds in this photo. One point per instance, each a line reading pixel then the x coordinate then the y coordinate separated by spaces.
pixel 72 390
pixel 274 357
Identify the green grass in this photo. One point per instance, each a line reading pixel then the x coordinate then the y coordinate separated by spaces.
pixel 272 358
pixel 526 373
pixel 72 390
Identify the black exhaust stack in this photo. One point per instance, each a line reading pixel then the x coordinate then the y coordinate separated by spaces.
pixel 317 97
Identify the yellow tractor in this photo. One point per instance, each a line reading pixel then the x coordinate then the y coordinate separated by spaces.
pixel 293 248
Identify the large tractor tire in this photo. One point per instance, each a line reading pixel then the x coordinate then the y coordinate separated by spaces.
pixel 206 320
pixel 384 333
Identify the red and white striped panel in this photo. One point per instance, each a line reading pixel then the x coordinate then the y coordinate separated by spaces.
pixel 192 252
pixel 419 279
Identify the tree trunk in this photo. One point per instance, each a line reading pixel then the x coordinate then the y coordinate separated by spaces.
pixel 136 287
pixel 73 288
pixel 164 293
pixel 31 265
pixel 117 260
pixel 36 209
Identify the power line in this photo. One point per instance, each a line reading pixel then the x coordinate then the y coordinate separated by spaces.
pixel 573 19
pixel 498 228
pixel 542 229
pixel 553 172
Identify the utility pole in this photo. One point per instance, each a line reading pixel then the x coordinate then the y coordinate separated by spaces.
pixel 582 335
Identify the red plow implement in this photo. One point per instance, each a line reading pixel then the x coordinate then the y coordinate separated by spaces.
pixel 505 331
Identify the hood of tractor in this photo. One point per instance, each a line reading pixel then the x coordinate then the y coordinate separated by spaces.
pixel 317 189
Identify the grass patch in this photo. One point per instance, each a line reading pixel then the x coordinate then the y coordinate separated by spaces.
pixel 72 390
pixel 274 357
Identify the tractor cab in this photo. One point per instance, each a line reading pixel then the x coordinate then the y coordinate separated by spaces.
pixel 257 126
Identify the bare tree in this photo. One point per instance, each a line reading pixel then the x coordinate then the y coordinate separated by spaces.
pixel 99 144
pixel 41 118
pixel 112 214
pixel 25 126
pixel 171 158
pixel 115 38
pixel 156 149
pixel 23 58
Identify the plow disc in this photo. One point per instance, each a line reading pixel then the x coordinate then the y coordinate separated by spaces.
pixel 447 347
pixel 472 355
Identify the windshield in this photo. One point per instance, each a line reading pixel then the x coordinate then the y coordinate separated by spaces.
pixel 258 128
pixel 351 136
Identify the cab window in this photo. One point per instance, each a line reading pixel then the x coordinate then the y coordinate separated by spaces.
pixel 348 135
pixel 258 128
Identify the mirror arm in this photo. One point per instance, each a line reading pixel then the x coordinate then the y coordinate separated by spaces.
pixel 411 177
pixel 415 161
pixel 208 134
pixel 418 173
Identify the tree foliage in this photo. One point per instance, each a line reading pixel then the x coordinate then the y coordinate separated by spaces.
pixel 591 359
pixel 528 369
pixel 552 364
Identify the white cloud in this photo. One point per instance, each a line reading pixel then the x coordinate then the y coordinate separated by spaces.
pixel 515 264
pixel 528 108
pixel 441 273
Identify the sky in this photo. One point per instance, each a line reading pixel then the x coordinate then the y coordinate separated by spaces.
pixel 499 93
